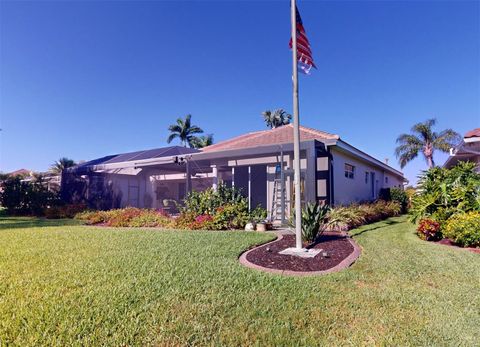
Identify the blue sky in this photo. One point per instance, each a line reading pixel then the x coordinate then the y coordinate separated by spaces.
pixel 86 79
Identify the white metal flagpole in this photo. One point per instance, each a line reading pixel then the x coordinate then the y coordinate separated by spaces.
pixel 296 131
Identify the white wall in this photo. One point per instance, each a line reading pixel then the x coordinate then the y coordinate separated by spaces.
pixel 347 190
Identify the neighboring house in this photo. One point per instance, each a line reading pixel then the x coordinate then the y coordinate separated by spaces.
pixel 20 172
pixel 259 163
pixel 467 150
pixel 51 181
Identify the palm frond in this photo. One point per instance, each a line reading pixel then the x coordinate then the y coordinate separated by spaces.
pixel 446 139
pixel 172 136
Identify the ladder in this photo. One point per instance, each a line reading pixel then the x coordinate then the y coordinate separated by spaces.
pixel 278 198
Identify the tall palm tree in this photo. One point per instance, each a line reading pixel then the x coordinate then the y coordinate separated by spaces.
pixel 424 139
pixel 184 131
pixel 61 164
pixel 277 118
pixel 202 141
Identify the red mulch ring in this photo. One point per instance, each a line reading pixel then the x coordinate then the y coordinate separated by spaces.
pixel 337 246
pixel 448 242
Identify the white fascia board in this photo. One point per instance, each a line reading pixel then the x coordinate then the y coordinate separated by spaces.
pixel 471 139
pixel 366 157
pixel 135 164
pixel 252 151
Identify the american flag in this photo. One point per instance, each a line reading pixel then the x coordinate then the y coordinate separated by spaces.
pixel 304 52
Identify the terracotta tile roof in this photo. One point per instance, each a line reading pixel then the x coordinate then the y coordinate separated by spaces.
pixel 279 135
pixel 473 133
pixel 21 172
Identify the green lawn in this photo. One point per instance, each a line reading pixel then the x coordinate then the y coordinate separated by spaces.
pixel 64 284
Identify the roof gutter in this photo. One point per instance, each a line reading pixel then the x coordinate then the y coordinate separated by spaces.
pixel 349 148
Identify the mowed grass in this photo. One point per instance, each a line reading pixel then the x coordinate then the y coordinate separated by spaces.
pixel 77 285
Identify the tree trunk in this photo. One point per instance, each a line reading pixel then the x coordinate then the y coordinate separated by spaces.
pixel 428 153
pixel 430 162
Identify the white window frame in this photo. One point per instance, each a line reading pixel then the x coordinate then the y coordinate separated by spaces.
pixel 349 170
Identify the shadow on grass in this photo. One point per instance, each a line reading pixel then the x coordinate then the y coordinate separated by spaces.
pixel 374 226
pixel 34 222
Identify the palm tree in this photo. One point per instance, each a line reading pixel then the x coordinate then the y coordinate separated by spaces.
pixel 62 164
pixel 424 139
pixel 184 131
pixel 276 118
pixel 202 141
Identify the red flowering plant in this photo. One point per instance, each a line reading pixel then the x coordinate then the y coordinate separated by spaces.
pixel 204 221
pixel 429 230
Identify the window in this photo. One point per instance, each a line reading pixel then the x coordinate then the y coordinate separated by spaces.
pixel 366 177
pixel 349 171
pixel 386 179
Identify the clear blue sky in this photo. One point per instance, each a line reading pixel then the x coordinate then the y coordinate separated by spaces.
pixel 86 79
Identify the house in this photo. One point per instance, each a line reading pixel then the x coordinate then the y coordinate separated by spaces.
pixel 49 180
pixel 259 163
pixel 467 150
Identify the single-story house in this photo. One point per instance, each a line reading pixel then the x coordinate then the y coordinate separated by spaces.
pixel 259 163
pixel 467 150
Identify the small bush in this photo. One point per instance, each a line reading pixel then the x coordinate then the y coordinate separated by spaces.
pixel 65 211
pixel 464 229
pixel 122 217
pixel 400 196
pixel 209 200
pixel 202 222
pixel 429 230
pixel 258 215
pixel 313 218
pixel 231 216
pixel 184 221
pixel 92 217
pixel 347 217
pixel 150 219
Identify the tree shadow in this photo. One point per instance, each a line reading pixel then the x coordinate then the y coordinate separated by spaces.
pixel 32 222
pixel 374 226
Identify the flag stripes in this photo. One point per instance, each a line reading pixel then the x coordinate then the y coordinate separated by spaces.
pixel 304 51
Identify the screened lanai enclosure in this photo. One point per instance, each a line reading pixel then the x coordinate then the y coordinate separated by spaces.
pixel 161 178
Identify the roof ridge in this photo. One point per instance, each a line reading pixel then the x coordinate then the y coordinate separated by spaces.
pixel 318 132
pixel 235 139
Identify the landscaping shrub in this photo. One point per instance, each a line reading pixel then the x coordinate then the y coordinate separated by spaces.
pixel 127 217
pixel 399 195
pixel 151 218
pixel 345 217
pixel 429 230
pixel 64 211
pixel 184 221
pixel 202 222
pixel 26 198
pixel 313 218
pixel 209 200
pixel 231 216
pixel 464 229
pixel 348 217
pixel 258 215
pixel 455 190
pixel 122 217
pixel 92 217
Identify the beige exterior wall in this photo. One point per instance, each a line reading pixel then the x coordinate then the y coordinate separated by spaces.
pixel 348 190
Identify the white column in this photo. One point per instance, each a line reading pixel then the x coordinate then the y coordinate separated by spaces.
pixel 188 183
pixel 233 176
pixel 249 188
pixel 215 177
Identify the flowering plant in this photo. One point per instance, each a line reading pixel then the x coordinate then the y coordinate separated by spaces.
pixel 429 230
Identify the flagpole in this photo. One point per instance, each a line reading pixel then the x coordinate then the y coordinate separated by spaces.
pixel 296 131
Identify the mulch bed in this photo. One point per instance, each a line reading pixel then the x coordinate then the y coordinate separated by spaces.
pixel 337 246
pixel 448 242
